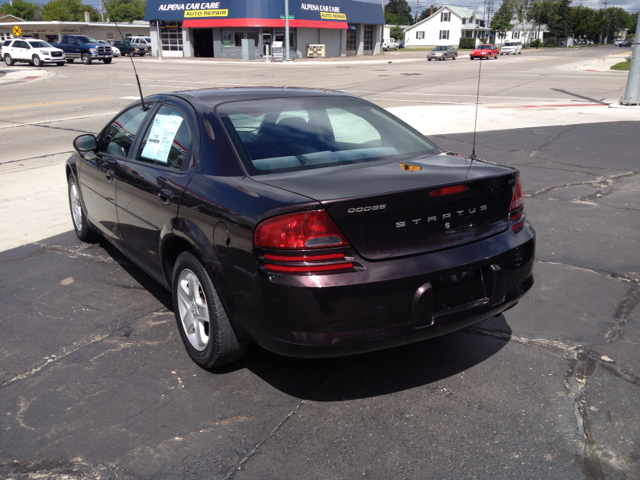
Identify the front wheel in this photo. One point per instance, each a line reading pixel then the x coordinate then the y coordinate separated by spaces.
pixel 204 326
pixel 36 60
pixel 455 56
pixel 70 60
pixel 429 59
pixel 470 58
pixel 107 60
pixel 86 58
pixel 8 60
pixel 60 64
pixel 81 225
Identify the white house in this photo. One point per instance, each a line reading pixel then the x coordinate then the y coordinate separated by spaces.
pixel 445 27
pixel 524 33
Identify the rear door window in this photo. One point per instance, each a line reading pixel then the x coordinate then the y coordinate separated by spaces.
pixel 167 139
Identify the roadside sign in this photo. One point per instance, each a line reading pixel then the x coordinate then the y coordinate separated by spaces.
pixel 17 31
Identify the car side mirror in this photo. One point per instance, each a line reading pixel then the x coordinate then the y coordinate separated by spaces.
pixel 85 143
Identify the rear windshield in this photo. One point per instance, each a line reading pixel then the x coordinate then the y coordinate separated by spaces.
pixel 87 39
pixel 291 134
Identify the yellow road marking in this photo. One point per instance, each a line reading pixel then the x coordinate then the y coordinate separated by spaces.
pixel 57 103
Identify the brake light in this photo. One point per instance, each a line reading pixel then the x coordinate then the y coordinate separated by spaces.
pixel 516 210
pixel 313 229
pixel 448 190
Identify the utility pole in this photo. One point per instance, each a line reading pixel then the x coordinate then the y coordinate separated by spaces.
pixel 286 31
pixel 417 9
pixel 632 93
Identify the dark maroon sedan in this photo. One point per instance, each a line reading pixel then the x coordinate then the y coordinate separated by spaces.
pixel 310 222
pixel 484 51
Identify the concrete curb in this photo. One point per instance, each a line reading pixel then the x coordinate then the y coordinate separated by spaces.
pixel 17 75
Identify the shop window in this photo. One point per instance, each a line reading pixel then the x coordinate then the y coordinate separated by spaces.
pixel 368 38
pixel 253 36
pixel 237 39
pixel 171 36
pixel 227 38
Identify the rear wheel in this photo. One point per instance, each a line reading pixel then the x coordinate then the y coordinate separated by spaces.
pixel 86 58
pixel 81 225
pixel 8 60
pixel 37 62
pixel 204 326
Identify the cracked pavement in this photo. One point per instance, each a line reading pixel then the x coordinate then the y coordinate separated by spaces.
pixel 95 383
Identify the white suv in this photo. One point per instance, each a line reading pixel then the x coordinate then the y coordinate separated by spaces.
pixel 511 47
pixel 142 42
pixel 33 51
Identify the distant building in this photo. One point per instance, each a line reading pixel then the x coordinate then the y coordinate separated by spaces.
pixel 445 27
pixel 53 31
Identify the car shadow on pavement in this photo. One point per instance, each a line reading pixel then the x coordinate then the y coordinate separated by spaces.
pixel 378 373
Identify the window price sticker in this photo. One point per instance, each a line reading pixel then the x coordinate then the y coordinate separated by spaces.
pixel 161 137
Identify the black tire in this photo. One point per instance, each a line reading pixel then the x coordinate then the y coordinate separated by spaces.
pixel 428 59
pixel 470 58
pixel 86 58
pixel 455 56
pixel 70 60
pixel 209 339
pixel 8 60
pixel 60 64
pixel 107 60
pixel 142 54
pixel 81 225
pixel 36 61
pixel 444 57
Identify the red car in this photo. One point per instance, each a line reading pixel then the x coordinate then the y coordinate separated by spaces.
pixel 484 51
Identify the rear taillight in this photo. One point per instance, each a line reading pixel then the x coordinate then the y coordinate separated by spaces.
pixel 516 211
pixel 301 231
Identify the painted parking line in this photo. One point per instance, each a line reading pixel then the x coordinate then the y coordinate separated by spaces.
pixel 56 103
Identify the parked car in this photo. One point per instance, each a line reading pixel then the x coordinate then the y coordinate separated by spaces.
pixel 484 51
pixel 31 50
pixel 442 53
pixel 389 45
pixel 6 42
pixel 626 43
pixel 401 44
pixel 142 42
pixel 511 47
pixel 128 48
pixel 85 48
pixel 310 222
pixel 115 51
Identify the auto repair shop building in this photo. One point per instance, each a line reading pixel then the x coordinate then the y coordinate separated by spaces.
pixel 190 28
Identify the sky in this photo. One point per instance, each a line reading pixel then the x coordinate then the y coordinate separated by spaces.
pixel 630 6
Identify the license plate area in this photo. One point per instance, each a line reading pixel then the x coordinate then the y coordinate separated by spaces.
pixel 458 290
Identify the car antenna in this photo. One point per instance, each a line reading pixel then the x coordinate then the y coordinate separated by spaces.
pixel 475 125
pixel 144 107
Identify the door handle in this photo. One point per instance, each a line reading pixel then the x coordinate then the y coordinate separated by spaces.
pixel 109 175
pixel 165 196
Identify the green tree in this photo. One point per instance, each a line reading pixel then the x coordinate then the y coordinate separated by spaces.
pixel 68 11
pixel 25 10
pixel 585 22
pixel 397 33
pixel 616 19
pixel 124 10
pixel 398 12
pixel 542 12
pixel 501 21
pixel 561 24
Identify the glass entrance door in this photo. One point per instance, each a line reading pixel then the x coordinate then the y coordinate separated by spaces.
pixel 351 40
pixel 266 40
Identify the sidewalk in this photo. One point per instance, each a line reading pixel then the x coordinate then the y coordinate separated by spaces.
pixel 604 64
pixel 20 74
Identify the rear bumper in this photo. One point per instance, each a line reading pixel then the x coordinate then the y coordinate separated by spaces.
pixel 386 303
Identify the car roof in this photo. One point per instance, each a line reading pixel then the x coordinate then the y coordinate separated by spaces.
pixel 211 97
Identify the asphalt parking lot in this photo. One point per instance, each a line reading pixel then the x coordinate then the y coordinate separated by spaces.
pixel 95 382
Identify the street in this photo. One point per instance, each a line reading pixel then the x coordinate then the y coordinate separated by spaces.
pixel 94 379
